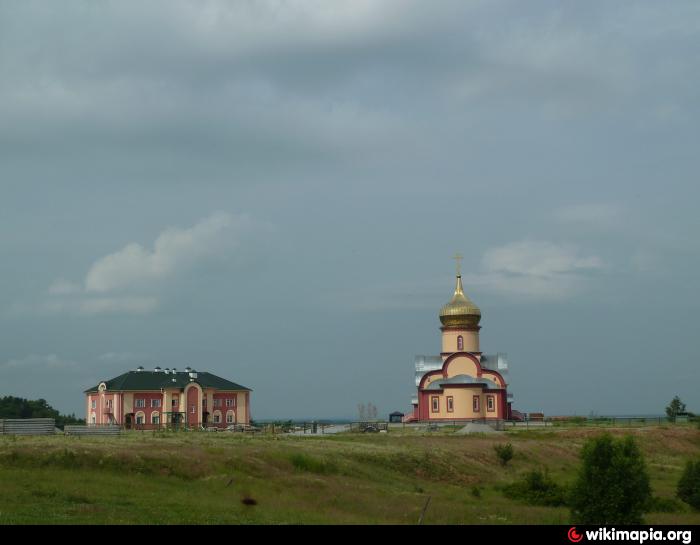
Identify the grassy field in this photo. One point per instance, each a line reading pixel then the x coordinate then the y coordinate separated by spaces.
pixel 205 478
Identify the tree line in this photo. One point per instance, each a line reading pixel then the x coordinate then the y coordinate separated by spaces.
pixel 18 407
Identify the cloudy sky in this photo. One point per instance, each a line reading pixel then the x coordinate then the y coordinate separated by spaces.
pixel 272 191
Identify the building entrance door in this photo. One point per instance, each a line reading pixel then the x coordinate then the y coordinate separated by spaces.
pixel 193 402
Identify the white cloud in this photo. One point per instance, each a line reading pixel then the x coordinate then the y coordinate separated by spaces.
pixel 534 269
pixel 39 361
pixel 524 270
pixel 116 283
pixel 173 249
pixel 537 258
pixel 120 357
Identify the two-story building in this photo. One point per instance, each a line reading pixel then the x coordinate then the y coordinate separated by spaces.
pixel 162 397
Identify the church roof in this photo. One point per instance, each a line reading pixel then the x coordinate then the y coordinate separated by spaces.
pixel 155 380
pixel 460 311
pixel 462 379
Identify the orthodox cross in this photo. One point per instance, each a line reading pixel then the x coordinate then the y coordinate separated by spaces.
pixel 458 258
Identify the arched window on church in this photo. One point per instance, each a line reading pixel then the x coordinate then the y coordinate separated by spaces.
pixel 460 343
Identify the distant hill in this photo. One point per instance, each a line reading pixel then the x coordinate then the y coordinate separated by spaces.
pixel 18 407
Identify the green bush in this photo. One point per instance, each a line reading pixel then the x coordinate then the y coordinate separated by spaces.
pixel 689 485
pixel 612 486
pixel 537 488
pixel 504 453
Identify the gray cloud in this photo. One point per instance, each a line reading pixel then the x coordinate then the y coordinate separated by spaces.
pixel 553 144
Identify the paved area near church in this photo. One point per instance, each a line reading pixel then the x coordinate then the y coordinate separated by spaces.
pixel 475 427
pixel 328 430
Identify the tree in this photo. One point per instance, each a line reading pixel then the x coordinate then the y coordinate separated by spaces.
pixel 612 486
pixel 689 485
pixel 504 453
pixel 17 407
pixel 675 408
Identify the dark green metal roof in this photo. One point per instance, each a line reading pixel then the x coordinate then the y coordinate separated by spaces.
pixel 151 380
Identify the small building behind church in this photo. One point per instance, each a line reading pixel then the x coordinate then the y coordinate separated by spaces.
pixel 165 397
pixel 396 417
pixel 462 383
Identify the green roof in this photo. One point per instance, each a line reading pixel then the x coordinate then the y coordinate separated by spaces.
pixel 152 380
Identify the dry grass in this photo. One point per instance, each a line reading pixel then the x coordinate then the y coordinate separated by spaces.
pixel 364 478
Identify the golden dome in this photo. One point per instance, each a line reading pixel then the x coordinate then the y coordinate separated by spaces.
pixel 460 311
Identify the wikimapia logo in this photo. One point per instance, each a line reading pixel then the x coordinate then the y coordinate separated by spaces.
pixel 573 536
pixel 638 536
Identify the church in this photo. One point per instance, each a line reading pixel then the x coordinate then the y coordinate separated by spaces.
pixel 462 383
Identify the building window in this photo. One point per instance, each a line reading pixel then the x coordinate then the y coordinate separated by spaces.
pixel 450 404
pixel 204 403
pixel 139 419
pixel 217 403
pixel 94 420
pixel 108 404
pixel 476 404
pixel 460 343
pixel 229 402
pixel 140 403
pixel 217 418
pixel 155 418
pixel 193 409
pixel 435 401
pixel 94 404
pixel 490 404
pixel 229 419
pixel 155 402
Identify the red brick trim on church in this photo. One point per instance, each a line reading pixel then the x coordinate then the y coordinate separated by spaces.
pixel 443 371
